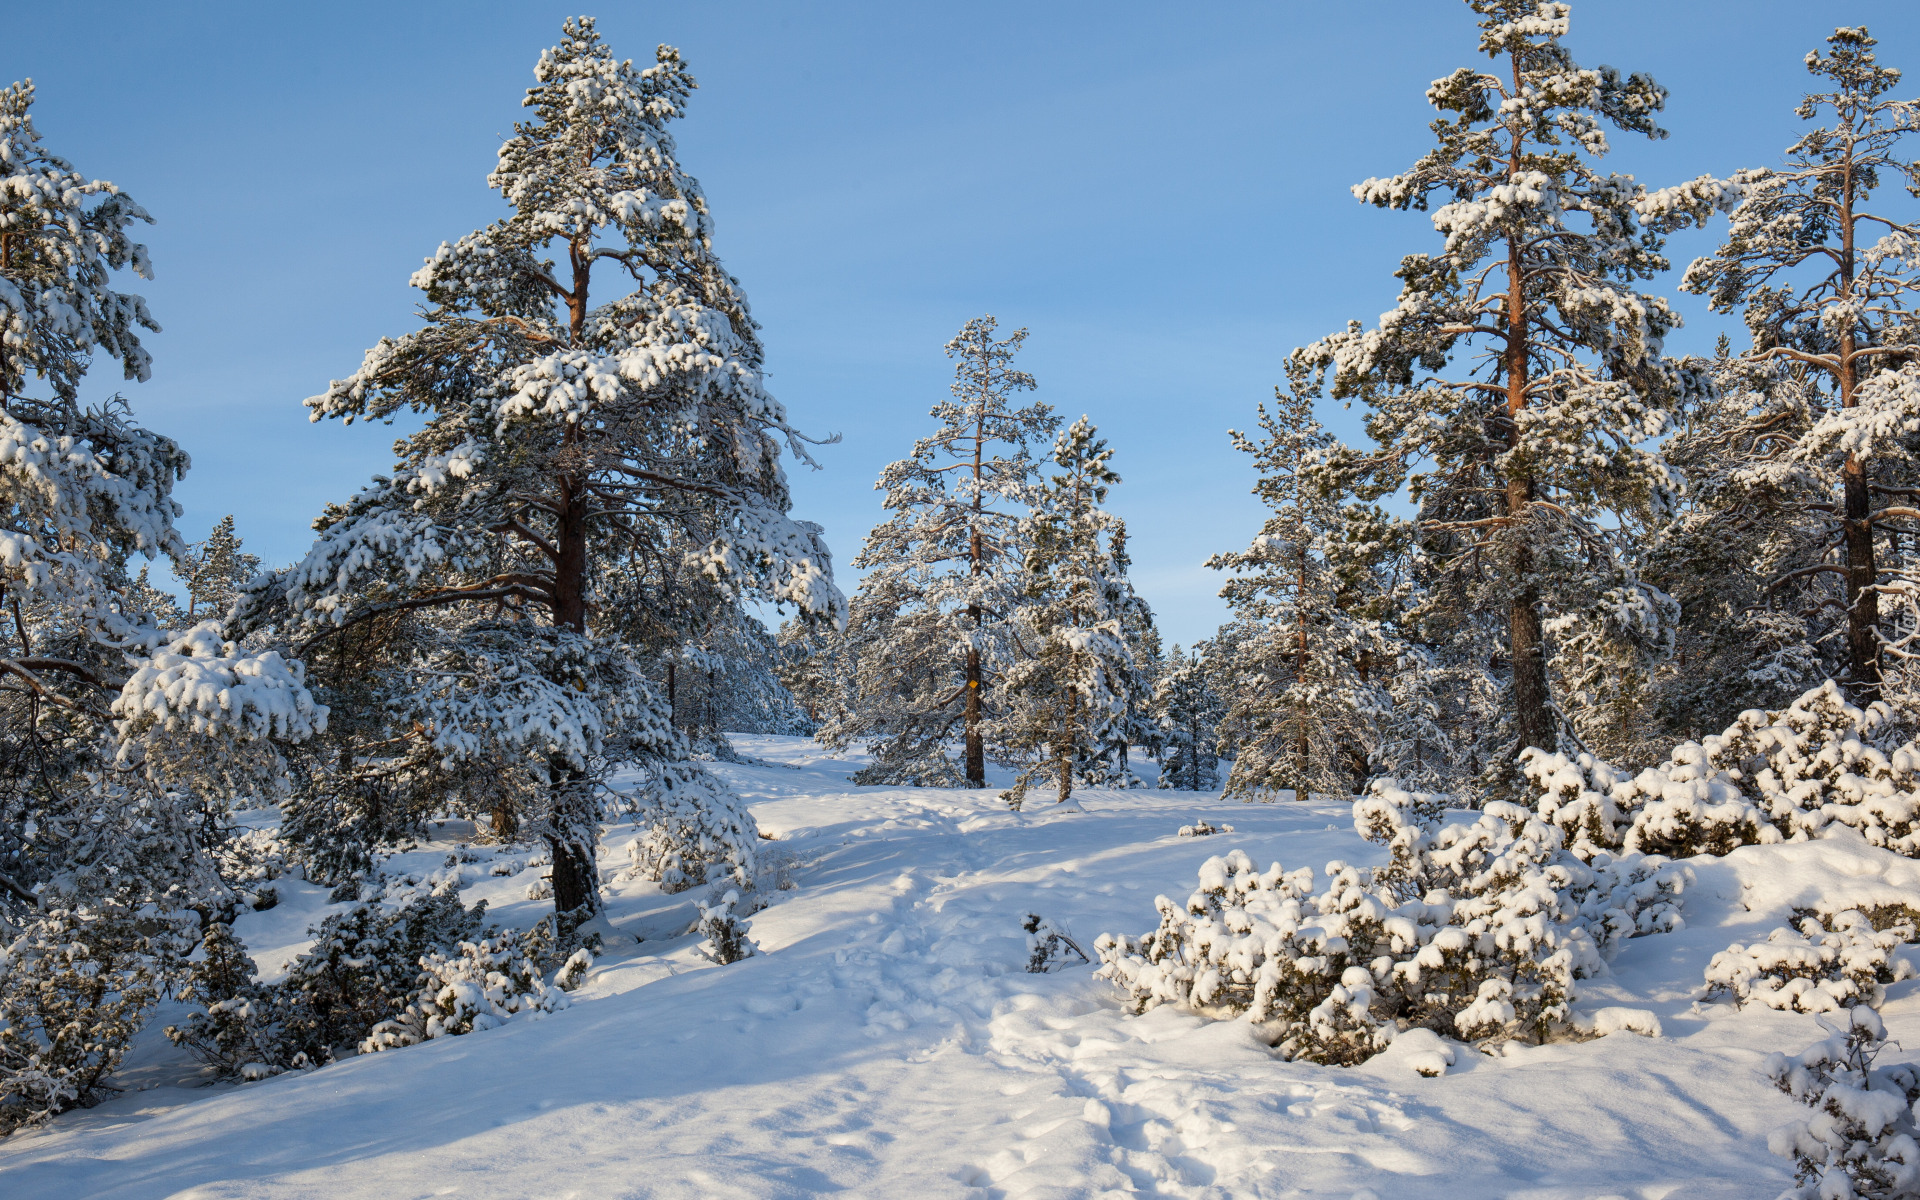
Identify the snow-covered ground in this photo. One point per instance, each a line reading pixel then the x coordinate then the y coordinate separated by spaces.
pixel 887 1042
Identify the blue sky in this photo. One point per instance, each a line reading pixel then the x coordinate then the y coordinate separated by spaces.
pixel 1158 192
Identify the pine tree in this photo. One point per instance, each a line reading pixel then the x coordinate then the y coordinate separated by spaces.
pixel 1514 388
pixel 1823 276
pixel 1189 709
pixel 216 570
pixel 86 493
pixel 1139 725
pixel 120 751
pixel 143 597
pixel 931 619
pixel 1303 705
pixel 1731 559
pixel 1061 703
pixel 814 664
pixel 728 680
pixel 587 453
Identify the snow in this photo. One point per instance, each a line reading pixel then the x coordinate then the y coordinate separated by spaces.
pixel 885 1039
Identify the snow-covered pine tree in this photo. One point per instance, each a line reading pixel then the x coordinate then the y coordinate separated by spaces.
pixel 86 492
pixel 1514 388
pixel 1731 558
pixel 1189 709
pixel 1824 273
pixel 216 570
pixel 1061 703
pixel 85 488
pixel 727 679
pixel 1303 707
pixel 142 597
pixel 585 448
pixel 815 665
pixel 115 746
pixel 899 679
pixel 1139 725
pixel 929 624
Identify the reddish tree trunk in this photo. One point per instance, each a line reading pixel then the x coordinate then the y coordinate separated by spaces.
pixel 1533 714
pixel 1856 526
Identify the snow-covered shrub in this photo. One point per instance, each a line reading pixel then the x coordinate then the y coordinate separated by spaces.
pixel 1576 797
pixel 478 986
pixel 1476 930
pixel 233 1035
pixel 250 860
pixel 407 966
pixel 1771 776
pixel 573 972
pixel 1048 945
pixel 1386 807
pixel 1204 828
pixel 78 987
pixel 1265 945
pixel 1859 1143
pixel 724 931
pixel 696 831
pixel 1828 962
pixel 364 968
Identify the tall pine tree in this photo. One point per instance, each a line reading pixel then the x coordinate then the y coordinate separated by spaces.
pixel 216 570
pixel 121 751
pixel 929 626
pixel 1189 710
pixel 1824 274
pixel 1514 389
pixel 1300 673
pixel 596 431
pixel 1066 703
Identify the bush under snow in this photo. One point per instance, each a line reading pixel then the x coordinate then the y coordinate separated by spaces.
pixel 79 987
pixel 391 971
pixel 1822 963
pixel 479 986
pixel 1476 931
pixel 1771 777
pixel 696 831
pixel 724 932
pixel 1860 1139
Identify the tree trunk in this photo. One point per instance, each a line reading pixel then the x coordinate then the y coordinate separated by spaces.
pixel 1856 526
pixel 570 558
pixel 976 747
pixel 1863 572
pixel 1532 702
pixel 576 876
pixel 576 882
pixel 1301 748
pixel 1532 711
pixel 1068 742
pixel 977 565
